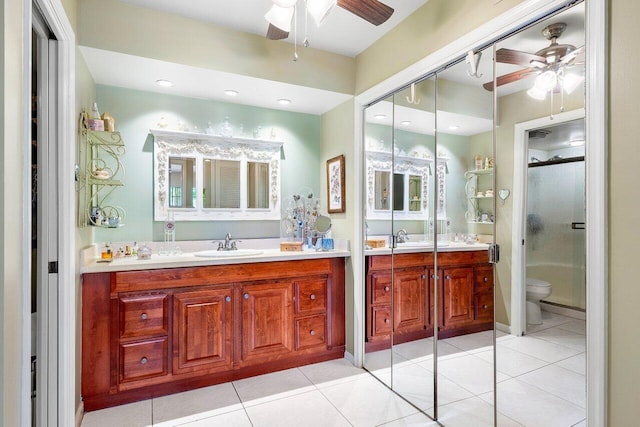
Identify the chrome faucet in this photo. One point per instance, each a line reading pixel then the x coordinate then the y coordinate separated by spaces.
pixel 402 236
pixel 228 244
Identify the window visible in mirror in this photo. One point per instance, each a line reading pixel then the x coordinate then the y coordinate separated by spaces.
pixel 382 183
pixel 182 187
pixel 398 192
pixel 257 185
pixel 221 184
pixel 415 193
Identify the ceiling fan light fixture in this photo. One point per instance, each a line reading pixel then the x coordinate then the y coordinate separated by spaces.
pixel 319 9
pixel 571 81
pixel 536 93
pixel 547 81
pixel 280 17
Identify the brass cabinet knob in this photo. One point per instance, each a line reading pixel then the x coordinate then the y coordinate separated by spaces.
pixel 312 333
pixel 387 289
pixel 227 299
pixel 144 316
pixel 486 279
pixel 448 277
pixel 143 361
pixel 386 320
pixel 246 296
pixel 313 296
pixel 485 306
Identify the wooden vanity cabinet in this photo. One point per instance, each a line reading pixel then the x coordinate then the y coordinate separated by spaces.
pixel 267 317
pixel 155 332
pixel 465 296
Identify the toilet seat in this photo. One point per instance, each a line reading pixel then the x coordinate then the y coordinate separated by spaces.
pixel 537 286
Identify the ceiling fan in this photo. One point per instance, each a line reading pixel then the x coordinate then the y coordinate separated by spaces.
pixel 281 13
pixel 549 64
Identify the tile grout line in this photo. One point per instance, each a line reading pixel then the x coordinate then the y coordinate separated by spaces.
pixel 244 408
pixel 326 398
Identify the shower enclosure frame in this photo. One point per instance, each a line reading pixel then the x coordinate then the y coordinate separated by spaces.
pixel 520 168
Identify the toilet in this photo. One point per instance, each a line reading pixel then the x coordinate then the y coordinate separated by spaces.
pixel 536 290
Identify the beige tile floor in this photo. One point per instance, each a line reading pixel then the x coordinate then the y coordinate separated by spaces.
pixel 541 382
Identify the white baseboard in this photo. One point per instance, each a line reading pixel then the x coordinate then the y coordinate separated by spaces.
pixel 565 311
pixel 79 414
pixel 503 328
pixel 351 358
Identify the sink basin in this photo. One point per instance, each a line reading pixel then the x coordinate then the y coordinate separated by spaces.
pixel 213 253
pixel 413 244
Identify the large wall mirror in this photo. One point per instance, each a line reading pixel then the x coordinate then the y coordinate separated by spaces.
pixel 203 177
pixel 447 329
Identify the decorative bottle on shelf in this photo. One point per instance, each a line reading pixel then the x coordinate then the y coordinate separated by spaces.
pixel 95 114
pixel 95 122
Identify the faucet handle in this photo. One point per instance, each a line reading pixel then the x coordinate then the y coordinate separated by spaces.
pixel 234 244
pixel 220 245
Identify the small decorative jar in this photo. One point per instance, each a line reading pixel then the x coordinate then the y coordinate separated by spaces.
pixel 144 252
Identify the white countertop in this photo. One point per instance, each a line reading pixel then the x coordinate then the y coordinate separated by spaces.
pixel 267 253
pixel 412 247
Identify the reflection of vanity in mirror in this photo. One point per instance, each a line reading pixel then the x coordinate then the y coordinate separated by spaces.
pixel 202 177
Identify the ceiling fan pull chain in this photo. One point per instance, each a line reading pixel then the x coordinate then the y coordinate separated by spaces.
pixel 551 98
pixel 306 26
pixel 295 33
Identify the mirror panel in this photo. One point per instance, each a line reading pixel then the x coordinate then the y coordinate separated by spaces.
pixel 413 345
pixel 221 184
pixel 257 185
pixel 378 138
pixel 544 174
pixel 465 345
pixel 182 182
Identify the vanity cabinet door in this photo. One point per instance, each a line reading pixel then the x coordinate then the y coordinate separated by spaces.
pixel 202 330
pixel 458 296
pixel 409 300
pixel 267 321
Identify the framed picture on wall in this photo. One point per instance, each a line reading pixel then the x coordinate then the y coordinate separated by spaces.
pixel 335 185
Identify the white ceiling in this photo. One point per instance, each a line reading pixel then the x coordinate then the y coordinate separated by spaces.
pixel 113 69
pixel 248 16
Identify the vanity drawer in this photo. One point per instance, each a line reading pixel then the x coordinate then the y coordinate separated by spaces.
pixel 310 332
pixel 145 359
pixel 143 315
pixel 311 295
pixel 484 279
pixel 381 320
pixel 484 307
pixel 381 288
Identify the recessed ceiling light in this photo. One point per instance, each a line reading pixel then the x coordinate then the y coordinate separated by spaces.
pixel 231 92
pixel 380 116
pixel 284 101
pixel 165 83
pixel 454 127
pixel 405 122
pixel 576 142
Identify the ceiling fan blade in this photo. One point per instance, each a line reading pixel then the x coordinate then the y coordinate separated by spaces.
pixel 511 77
pixel 275 33
pixel 516 57
pixel 571 57
pixel 372 11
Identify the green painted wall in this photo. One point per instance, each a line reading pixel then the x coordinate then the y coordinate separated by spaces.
pixel 136 112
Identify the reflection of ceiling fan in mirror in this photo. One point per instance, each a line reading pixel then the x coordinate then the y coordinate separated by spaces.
pixel 551 65
pixel 281 13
